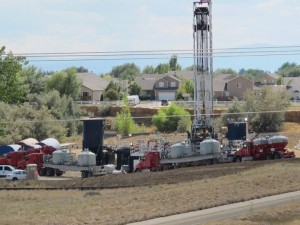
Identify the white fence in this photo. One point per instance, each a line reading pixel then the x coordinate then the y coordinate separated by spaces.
pixel 154 104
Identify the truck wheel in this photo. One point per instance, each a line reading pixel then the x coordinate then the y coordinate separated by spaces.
pixel 42 172
pixel 277 156
pixel 84 174
pixel 238 159
pixel 58 173
pixel 50 172
pixel 14 179
pixel 138 170
pixel 269 157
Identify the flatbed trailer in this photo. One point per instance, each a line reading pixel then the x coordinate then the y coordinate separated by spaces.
pixel 153 162
pixel 216 157
pixel 86 171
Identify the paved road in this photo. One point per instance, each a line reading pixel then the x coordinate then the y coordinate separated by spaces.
pixel 225 212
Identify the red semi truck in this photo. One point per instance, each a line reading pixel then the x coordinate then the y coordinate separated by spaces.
pixel 20 159
pixel 263 148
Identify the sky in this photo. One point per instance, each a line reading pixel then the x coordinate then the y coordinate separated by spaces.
pixel 72 26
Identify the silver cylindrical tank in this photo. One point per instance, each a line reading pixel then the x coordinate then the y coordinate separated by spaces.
pixel 60 157
pixel 86 158
pixel 210 146
pixel 176 151
pixel 260 141
pixel 277 139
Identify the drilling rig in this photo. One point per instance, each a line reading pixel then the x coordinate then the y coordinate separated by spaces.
pixel 203 66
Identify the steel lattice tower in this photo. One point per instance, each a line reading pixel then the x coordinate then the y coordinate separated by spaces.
pixel 203 66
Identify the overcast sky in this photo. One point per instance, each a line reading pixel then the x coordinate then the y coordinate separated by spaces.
pixel 136 25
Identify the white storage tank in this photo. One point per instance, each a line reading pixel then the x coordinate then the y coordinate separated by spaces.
pixel 86 158
pixel 177 150
pixel 210 146
pixel 60 157
pixel 277 139
pixel 260 141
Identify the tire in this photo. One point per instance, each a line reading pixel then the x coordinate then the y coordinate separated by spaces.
pixel 138 170
pixel 14 179
pixel 269 157
pixel 277 156
pixel 50 172
pixel 42 172
pixel 58 173
pixel 84 174
pixel 238 159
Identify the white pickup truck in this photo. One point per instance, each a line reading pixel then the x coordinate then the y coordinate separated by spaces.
pixel 6 169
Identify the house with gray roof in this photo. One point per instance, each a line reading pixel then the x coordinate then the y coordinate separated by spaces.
pixel 292 85
pixel 227 86
pixel 158 86
pixel 92 87
pixel 266 79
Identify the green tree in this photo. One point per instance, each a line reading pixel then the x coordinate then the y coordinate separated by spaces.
pixel 224 71
pixel 269 108
pixel 162 68
pixel 126 71
pixel 289 70
pixel 189 68
pixel 149 70
pixel 134 89
pixel 280 81
pixel 173 63
pixel 242 71
pixel 186 87
pixel 172 118
pixel 251 74
pixel 61 108
pixel 124 122
pixel 66 82
pixel 25 121
pixel 11 88
pixel 34 79
pixel 82 69
pixel 113 91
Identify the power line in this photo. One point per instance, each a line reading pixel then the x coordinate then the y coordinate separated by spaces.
pixel 147 51
pixel 141 117
pixel 156 58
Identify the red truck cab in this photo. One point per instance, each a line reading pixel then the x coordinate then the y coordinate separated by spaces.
pixel 150 162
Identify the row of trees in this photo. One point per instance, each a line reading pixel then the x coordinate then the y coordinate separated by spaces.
pixel 35 104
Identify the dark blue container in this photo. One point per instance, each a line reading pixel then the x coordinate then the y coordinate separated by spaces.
pixel 93 130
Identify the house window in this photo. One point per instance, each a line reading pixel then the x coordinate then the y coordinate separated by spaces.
pixel 161 84
pixel 173 84
pixel 85 94
pixel 239 85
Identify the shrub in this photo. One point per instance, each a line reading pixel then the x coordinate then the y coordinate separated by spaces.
pixel 172 118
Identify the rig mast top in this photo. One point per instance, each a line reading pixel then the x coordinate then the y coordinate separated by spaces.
pixel 203 67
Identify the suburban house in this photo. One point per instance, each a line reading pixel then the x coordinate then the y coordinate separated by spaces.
pixel 158 86
pixel 165 86
pixel 227 86
pixel 92 87
pixel 266 79
pixel 292 85
pixel 146 83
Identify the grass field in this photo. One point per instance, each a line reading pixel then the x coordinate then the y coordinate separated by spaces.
pixel 124 205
